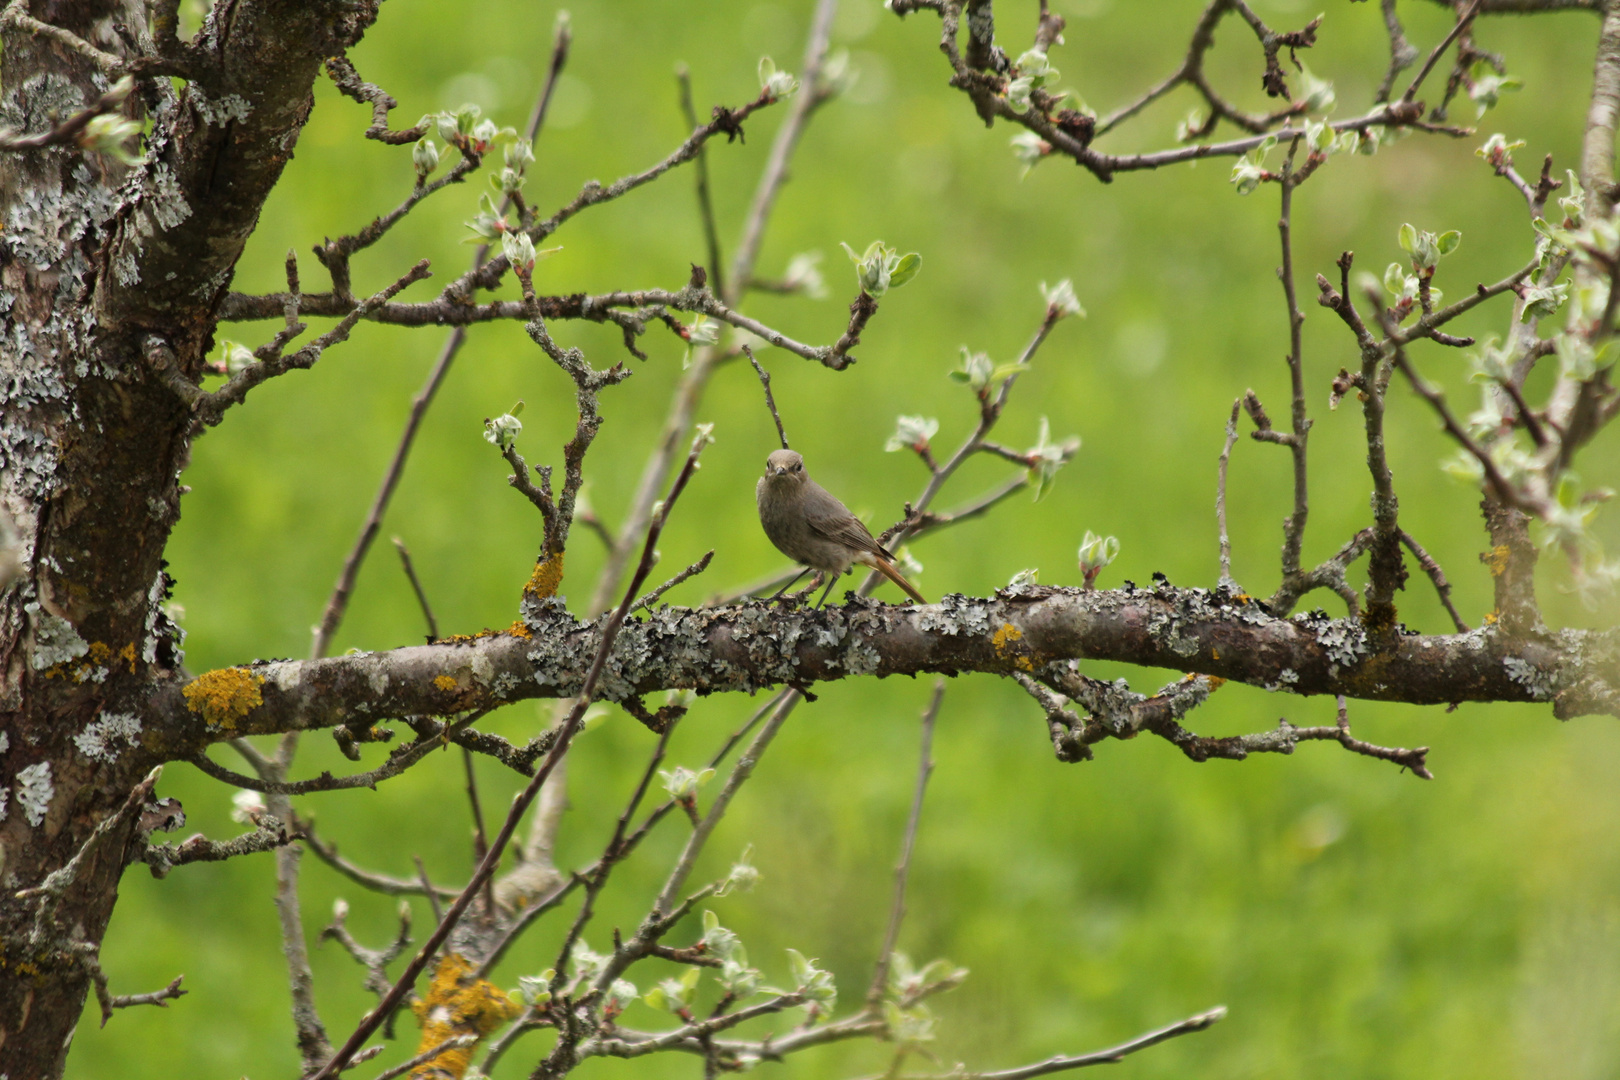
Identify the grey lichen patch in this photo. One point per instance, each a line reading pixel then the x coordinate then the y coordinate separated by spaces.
pixel 218 111
pixel 28 459
pixel 1187 694
pixel 1110 704
pixel 160 206
pixel 503 686
pixel 1536 682
pixel 957 614
pixel 35 791
pixel 1344 640
pixel 99 741
pixel 55 639
pixel 859 657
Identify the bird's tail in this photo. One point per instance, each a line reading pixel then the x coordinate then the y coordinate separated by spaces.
pixel 886 568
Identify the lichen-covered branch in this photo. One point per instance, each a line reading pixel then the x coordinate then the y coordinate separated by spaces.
pixel 752 646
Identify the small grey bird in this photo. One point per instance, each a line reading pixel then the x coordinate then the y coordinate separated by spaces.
pixel 809 525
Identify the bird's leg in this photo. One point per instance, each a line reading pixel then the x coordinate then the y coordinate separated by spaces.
pixel 832 579
pixel 790 584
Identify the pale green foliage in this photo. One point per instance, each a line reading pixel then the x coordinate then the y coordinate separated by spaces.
pixel 777 84
pixel 682 783
pixel 880 268
pixel 912 433
pixel 504 429
pixel 1251 167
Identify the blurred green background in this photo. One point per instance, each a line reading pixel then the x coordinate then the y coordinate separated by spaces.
pixel 1358 922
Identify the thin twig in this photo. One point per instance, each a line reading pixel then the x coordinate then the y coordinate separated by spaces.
pixel 160 998
pixel 337 604
pixel 1294 525
pixel 1436 575
pixel 770 402
pixel 381 883
pixel 690 572
pixel 400 759
pixel 521 803
pixel 416 585
pixel 69 131
pixel 1113 1054
pixel 455 1042
pixel 689 391
pixel 1463 22
pixel 902 870
pixel 1220 493
pixel 428 889
pixel 711 234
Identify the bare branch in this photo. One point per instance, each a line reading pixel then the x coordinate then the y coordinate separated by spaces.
pixel 71 130
pixel 382 883
pixel 1220 494
pixel 416 587
pixel 1113 1054
pixel 711 233
pixel 690 572
pixel 520 804
pixel 770 402
pixel 455 1042
pixel 1464 19
pixel 160 998
pixel 341 71
pixel 1436 575
pixel 902 870
pixel 337 604
pixel 210 408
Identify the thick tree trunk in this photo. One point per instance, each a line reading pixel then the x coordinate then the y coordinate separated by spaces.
pixel 95 262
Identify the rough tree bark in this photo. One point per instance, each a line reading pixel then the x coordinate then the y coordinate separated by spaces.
pixel 92 440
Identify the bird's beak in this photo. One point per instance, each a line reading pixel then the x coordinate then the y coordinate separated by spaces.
pixel 780 470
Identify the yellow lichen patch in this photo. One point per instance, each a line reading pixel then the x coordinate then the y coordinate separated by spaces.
pixel 444 682
pixel 1491 617
pixel 99 652
pixel 1496 560
pixel 1008 642
pixel 517 629
pixel 224 696
pixel 457 1004
pixel 127 654
pixel 1214 682
pixel 462 639
pixel 546 579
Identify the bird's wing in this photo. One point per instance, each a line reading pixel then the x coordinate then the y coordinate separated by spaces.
pixel 837 524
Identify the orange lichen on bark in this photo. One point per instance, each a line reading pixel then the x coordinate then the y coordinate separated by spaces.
pixel 127 654
pixel 1008 642
pixel 457 1004
pixel 546 579
pixel 224 696
pixel 444 682
pixel 1496 560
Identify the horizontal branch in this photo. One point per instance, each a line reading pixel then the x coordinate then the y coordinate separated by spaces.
pixel 447 310
pixel 748 647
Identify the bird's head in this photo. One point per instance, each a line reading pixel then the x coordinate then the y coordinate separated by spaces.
pixel 784 467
